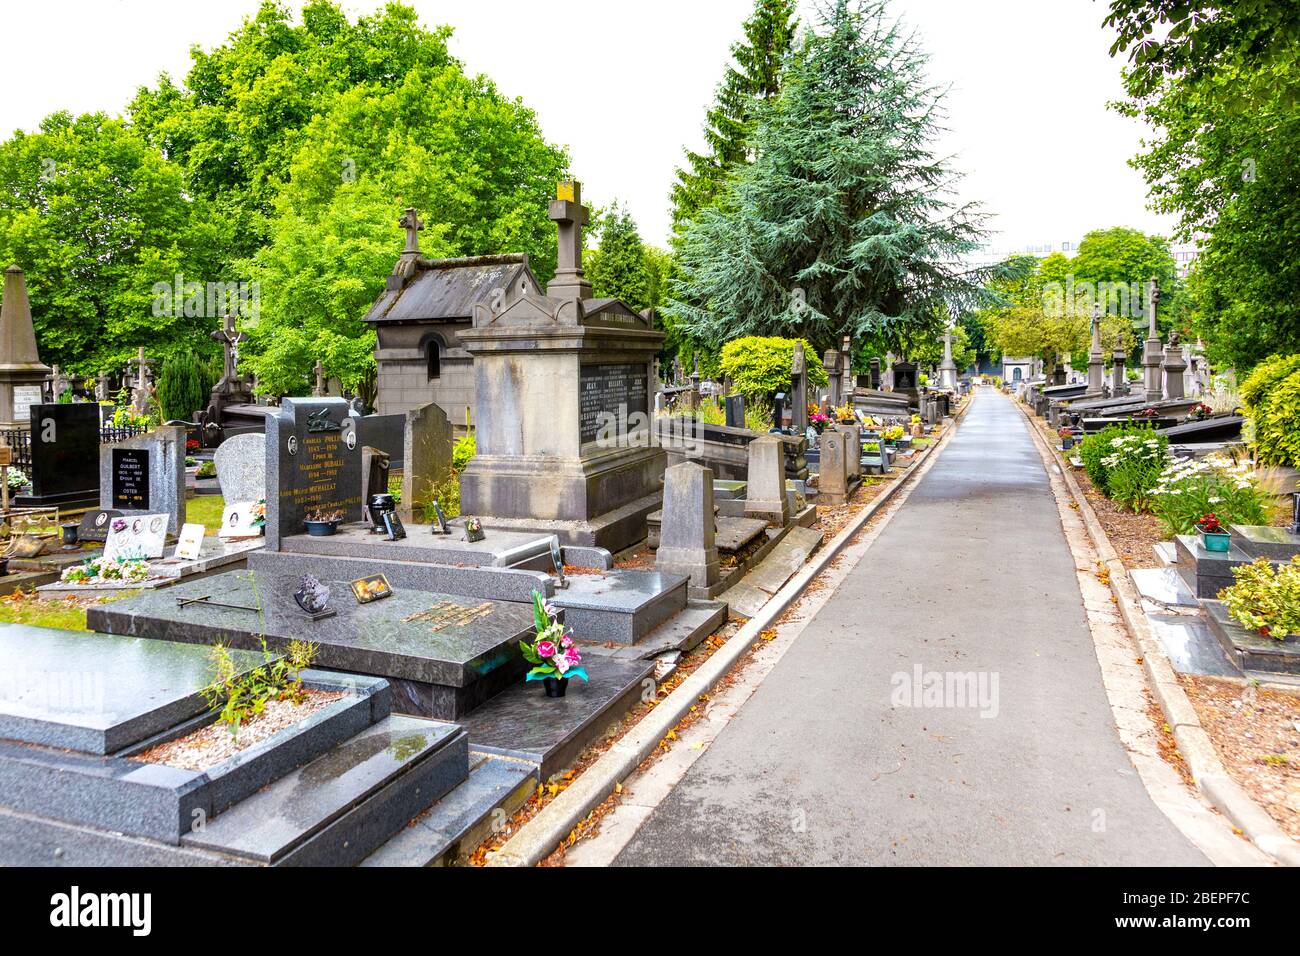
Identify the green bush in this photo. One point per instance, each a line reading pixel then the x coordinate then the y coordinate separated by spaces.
pixel 465 449
pixel 1264 600
pixel 1272 398
pixel 180 387
pixel 760 366
pixel 1124 462
pixel 1216 485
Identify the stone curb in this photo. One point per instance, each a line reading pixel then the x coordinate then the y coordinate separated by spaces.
pixel 1194 744
pixel 539 837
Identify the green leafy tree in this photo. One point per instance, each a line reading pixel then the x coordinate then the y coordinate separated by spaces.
pixel 841 224
pixel 620 269
pixel 96 217
pixel 753 77
pixel 1220 92
pixel 181 390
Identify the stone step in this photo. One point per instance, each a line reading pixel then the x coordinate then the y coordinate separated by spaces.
pixel 461 820
pixel 758 587
pixel 620 606
pixel 682 632
pixel 340 807
pixel 525 724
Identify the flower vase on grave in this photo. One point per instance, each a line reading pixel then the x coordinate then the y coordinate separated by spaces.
pixel 555 686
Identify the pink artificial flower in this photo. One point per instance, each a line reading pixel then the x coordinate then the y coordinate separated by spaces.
pixel 546 649
pixel 566 641
pixel 572 656
pixel 560 663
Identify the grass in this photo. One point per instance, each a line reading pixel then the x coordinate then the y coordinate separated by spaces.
pixel 24 608
pixel 205 510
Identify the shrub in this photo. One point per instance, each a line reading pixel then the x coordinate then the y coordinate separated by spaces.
pixel 1264 600
pixel 1272 398
pixel 1134 466
pixel 180 387
pixel 1215 484
pixel 760 366
pixel 1094 450
pixel 465 449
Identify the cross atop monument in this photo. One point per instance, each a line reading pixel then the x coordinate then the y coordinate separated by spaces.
pixel 413 226
pixel 570 216
pixel 319 391
pixel 229 337
pixel 1153 293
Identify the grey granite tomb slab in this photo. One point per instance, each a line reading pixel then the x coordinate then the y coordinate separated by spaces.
pixel 1249 650
pixel 437 668
pixel 341 806
pixel 1264 541
pixel 356 541
pixel 620 606
pixel 551 732
pixel 241 467
pixel 98 693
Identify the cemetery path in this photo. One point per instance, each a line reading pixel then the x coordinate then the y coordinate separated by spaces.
pixel 837 759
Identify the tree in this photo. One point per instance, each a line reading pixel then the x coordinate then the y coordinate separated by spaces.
pixel 1220 95
pixel 619 269
pixel 97 218
pixel 842 223
pixel 181 390
pixel 759 365
pixel 753 77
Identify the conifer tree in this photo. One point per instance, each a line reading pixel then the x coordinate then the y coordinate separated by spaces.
pixel 753 77
pixel 619 270
pixel 844 222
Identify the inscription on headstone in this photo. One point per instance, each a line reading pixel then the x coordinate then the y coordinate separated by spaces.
pixel 131 478
pixel 611 389
pixel 313 463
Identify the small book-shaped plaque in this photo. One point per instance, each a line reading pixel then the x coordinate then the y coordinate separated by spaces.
pixel 371 588
pixel 393 525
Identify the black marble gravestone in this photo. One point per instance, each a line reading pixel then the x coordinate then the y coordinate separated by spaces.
pixel 130 478
pixel 313 462
pixel 65 456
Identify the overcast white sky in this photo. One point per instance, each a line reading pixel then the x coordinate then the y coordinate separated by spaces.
pixel 625 85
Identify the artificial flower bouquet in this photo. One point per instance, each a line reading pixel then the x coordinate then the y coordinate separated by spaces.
pixel 553 652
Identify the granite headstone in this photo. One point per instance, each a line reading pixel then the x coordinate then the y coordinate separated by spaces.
pixel 65 447
pixel 313 461
pixel 146 475
pixel 241 467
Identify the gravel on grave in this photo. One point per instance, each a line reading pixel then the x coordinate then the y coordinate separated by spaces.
pixel 208 746
pixel 1256 732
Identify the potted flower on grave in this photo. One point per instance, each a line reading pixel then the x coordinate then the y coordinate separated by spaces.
pixel 319 524
pixel 1067 439
pixel 258 514
pixel 553 653
pixel 1214 535
pixel 1200 413
pixel 819 420
pixel 207 469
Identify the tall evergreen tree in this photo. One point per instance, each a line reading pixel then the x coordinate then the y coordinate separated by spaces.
pixel 619 270
pixel 843 224
pixel 753 77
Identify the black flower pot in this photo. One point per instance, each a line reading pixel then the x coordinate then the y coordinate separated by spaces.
pixel 321 529
pixel 556 686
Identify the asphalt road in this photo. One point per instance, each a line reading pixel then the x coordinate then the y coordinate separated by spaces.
pixel 1001 750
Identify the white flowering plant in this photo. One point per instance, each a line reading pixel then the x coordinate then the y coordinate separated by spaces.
pixel 1134 462
pixel 107 571
pixel 1192 487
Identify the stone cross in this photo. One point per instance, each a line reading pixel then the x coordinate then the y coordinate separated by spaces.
pixel 319 390
pixel 58 381
pixel 1096 357
pixel 141 399
pixel 570 216
pixel 101 388
pixel 229 337
pixel 412 224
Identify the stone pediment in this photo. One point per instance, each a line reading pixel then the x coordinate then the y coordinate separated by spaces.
pixel 613 313
pixel 528 310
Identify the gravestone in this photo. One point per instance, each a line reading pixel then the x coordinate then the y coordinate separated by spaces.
pixel 687 543
pixel 426 459
pixel 1174 366
pixel 831 363
pixel 241 467
pixel 873 373
pixel 905 379
pixel 146 475
pixel 852 444
pixel 313 461
pixel 65 452
pixel 735 405
pixel 832 480
pixel 21 369
pixel 375 465
pixel 765 496
pixel 95 525
pixel 562 392
pixel 799 390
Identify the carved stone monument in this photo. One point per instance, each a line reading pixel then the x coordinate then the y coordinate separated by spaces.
pixel 562 388
pixel 21 370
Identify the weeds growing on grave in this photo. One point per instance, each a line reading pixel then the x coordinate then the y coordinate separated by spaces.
pixel 241 697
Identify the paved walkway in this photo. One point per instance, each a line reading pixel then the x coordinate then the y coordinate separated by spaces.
pixel 827 762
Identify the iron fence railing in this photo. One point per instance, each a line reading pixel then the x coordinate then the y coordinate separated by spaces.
pixel 20 440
